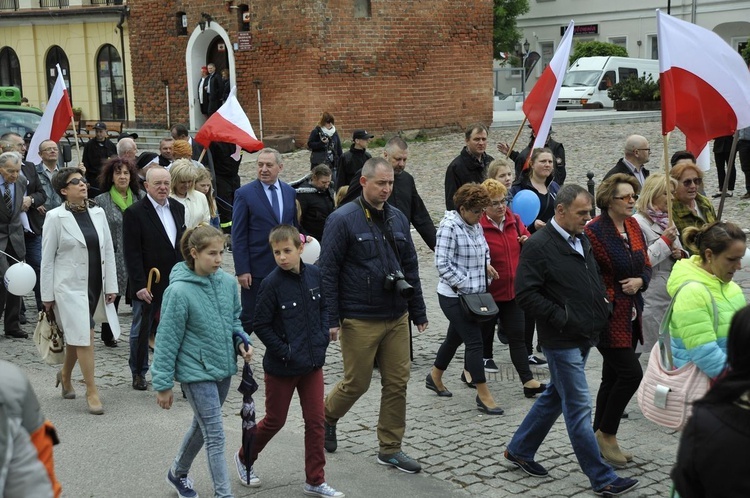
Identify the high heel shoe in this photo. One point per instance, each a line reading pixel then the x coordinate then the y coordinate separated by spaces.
pixel 95 404
pixel 429 383
pixel 489 411
pixel 467 382
pixel 530 392
pixel 65 394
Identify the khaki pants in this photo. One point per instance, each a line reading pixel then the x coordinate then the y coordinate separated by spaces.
pixel 363 341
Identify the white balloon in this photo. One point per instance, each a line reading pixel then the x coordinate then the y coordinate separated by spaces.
pixel 311 251
pixel 746 259
pixel 20 279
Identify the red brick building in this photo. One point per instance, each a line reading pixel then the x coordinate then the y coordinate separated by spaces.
pixel 383 65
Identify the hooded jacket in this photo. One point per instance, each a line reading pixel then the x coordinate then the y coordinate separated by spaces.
pixel 194 342
pixel 692 324
pixel 505 251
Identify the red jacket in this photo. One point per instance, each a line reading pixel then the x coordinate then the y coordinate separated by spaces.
pixel 505 250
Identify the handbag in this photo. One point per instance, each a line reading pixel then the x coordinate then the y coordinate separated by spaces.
pixel 666 394
pixel 49 339
pixel 479 307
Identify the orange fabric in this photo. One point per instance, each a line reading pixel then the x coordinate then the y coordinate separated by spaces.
pixel 44 438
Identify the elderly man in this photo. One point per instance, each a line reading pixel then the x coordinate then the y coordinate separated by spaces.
pixel 558 283
pixel 470 165
pixel 49 152
pixel 371 283
pixel 127 149
pixel 95 152
pixel 11 237
pixel 637 154
pixel 258 207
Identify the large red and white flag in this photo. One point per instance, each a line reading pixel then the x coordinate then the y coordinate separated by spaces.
pixel 705 84
pixel 539 106
pixel 56 118
pixel 229 124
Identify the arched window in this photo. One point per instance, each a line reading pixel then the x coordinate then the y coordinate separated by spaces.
pixel 55 56
pixel 111 80
pixel 10 69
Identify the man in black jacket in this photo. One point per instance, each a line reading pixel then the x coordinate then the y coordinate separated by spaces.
pixel 637 154
pixel 471 164
pixel 95 152
pixel 558 282
pixel 372 287
pixel 353 159
pixel 404 196
pixel 316 200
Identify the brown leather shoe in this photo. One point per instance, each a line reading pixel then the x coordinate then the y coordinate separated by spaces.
pixel 610 451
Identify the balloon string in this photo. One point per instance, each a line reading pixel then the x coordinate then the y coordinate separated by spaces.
pixel 11 257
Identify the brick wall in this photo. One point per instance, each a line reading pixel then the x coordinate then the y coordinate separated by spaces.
pixel 414 64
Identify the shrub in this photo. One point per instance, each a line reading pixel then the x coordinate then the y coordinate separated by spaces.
pixel 595 48
pixel 643 89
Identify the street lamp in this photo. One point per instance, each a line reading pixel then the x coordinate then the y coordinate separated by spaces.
pixel 524 49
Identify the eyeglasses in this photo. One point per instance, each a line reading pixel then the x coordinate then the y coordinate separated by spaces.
pixel 49 149
pixel 476 211
pixel 77 181
pixel 690 181
pixel 498 203
pixel 627 197
pixel 647 150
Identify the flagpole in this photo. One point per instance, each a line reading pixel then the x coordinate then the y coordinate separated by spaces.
pixel 75 137
pixel 203 153
pixel 518 134
pixel 729 170
pixel 668 183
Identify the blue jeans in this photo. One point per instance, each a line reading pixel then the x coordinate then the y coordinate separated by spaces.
pixel 206 399
pixel 34 259
pixel 566 393
pixel 135 331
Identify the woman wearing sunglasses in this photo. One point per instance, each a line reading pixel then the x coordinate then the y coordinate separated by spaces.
pixel 78 273
pixel 690 208
pixel 622 254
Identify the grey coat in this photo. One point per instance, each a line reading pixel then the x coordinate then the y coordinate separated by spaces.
pixel 656 299
pixel 114 219
pixel 11 229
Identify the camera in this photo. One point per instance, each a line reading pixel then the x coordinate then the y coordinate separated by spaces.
pixel 395 281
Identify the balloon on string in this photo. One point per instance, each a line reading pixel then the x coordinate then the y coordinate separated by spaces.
pixel 526 205
pixel 311 251
pixel 20 279
pixel 746 259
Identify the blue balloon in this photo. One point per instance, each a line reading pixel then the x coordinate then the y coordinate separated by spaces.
pixel 526 205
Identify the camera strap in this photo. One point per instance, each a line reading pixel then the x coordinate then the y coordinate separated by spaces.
pixel 380 229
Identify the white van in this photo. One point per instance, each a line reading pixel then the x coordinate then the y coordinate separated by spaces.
pixel 588 79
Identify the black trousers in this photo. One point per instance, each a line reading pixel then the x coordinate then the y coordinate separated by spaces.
pixel 621 376
pixel 743 150
pixel 512 321
pixel 10 304
pixel 225 189
pixel 722 161
pixel 461 330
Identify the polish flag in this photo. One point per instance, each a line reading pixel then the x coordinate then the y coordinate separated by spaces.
pixel 705 84
pixel 229 124
pixel 539 106
pixel 57 117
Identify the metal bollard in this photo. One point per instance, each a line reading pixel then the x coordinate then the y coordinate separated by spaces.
pixel 590 186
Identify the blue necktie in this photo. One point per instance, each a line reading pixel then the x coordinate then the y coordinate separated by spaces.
pixel 275 202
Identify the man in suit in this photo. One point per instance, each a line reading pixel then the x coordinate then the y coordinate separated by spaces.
pixel 215 90
pixel 152 228
pixel 258 207
pixel 203 91
pixel 637 154
pixel 33 198
pixel 11 236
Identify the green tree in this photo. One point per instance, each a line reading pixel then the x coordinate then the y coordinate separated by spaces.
pixel 505 35
pixel 746 54
pixel 595 48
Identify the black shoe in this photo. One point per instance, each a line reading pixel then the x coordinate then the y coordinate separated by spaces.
pixel 621 486
pixel 530 392
pixel 429 383
pixel 745 196
pixel 489 411
pixel 624 415
pixel 535 361
pixel 110 343
pixel 17 334
pixel 401 461
pixel 529 466
pixel 139 383
pixel 331 443
pixel 490 365
pixel 718 194
pixel 470 384
pixel 22 319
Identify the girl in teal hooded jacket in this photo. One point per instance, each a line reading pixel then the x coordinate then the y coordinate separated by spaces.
pixel 718 249
pixel 195 346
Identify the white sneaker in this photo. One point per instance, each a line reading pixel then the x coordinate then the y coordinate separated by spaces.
pixel 322 491
pixel 247 479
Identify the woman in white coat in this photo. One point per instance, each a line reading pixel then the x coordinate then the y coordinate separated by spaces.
pixel 664 248
pixel 78 273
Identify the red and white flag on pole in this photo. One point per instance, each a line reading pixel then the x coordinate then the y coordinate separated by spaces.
pixel 705 84
pixel 539 106
pixel 229 124
pixel 55 120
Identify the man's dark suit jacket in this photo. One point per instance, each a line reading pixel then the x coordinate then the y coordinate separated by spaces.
pixel 147 245
pixel 252 221
pixel 34 190
pixel 215 93
pixel 621 167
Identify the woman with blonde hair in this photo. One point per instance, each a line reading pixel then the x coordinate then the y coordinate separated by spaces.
pixel 204 186
pixel 183 175
pixel 664 248
pixel 690 208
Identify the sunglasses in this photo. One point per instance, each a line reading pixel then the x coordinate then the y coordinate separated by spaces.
pixel 77 181
pixel 627 197
pixel 690 181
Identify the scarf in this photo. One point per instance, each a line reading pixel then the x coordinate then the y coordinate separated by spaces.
pixel 121 202
pixel 75 208
pixel 659 217
pixel 327 132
